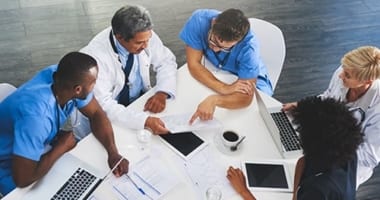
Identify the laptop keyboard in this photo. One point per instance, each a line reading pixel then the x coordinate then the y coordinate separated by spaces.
pixel 289 137
pixel 75 186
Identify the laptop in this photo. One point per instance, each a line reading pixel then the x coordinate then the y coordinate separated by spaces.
pixel 280 127
pixel 69 178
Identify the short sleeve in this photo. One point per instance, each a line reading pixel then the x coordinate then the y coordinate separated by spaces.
pixel 30 136
pixel 191 32
pixel 83 102
pixel 249 64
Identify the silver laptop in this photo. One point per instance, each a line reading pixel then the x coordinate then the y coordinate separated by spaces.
pixel 69 178
pixel 280 127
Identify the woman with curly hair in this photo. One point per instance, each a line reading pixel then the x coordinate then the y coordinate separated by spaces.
pixel 357 83
pixel 330 136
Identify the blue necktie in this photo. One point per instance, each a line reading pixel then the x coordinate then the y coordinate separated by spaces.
pixel 124 94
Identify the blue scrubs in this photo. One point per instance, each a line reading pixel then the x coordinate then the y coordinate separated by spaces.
pixel 29 122
pixel 243 60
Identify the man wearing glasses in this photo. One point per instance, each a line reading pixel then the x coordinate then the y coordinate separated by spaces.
pixel 225 39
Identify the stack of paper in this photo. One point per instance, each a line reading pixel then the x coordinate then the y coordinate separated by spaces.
pixel 205 172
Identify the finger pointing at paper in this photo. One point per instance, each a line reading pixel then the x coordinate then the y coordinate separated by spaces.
pixel 205 110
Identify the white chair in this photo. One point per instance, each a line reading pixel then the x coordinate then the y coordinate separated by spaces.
pixel 5 90
pixel 272 47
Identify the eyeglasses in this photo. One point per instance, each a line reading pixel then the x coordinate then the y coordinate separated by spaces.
pixel 216 44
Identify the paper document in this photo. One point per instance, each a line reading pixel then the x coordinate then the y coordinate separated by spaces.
pixel 205 172
pixel 149 179
pixel 180 123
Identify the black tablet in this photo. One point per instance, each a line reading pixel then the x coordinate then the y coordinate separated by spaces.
pixel 267 176
pixel 184 144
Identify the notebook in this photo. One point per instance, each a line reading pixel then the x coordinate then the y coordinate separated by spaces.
pixel 69 178
pixel 280 127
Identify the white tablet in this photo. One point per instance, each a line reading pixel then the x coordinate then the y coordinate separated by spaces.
pixel 267 176
pixel 185 144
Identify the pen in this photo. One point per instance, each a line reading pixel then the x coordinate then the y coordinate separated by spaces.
pixel 114 167
pixel 148 184
pixel 133 182
pixel 104 178
pixel 137 187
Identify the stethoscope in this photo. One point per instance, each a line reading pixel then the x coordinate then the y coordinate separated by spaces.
pixel 358 113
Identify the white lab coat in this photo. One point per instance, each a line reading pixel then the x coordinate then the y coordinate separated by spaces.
pixel 111 76
pixel 369 151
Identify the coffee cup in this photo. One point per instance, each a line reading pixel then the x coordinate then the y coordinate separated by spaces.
pixel 230 138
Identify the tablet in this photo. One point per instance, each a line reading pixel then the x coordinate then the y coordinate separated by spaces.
pixel 267 176
pixel 185 144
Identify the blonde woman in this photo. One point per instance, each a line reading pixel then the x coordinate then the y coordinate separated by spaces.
pixel 357 83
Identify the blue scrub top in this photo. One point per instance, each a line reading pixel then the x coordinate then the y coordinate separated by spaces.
pixel 29 122
pixel 243 60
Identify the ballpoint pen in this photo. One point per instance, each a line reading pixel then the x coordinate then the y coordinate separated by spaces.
pixel 104 178
pixel 138 188
pixel 114 167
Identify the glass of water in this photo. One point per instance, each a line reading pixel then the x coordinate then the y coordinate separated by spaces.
pixel 213 193
pixel 144 138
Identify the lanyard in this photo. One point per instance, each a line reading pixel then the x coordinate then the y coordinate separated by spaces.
pixel 58 114
pixel 113 43
pixel 221 63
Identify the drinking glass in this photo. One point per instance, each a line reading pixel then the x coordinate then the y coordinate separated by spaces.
pixel 213 193
pixel 144 137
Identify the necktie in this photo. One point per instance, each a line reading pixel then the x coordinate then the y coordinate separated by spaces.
pixel 124 94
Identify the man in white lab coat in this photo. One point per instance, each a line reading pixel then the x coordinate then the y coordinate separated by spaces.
pixel 131 44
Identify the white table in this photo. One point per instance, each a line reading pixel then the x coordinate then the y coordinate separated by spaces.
pixel 258 144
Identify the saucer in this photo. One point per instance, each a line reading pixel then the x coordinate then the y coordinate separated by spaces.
pixel 224 149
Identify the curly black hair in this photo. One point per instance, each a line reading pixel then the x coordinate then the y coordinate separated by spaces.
pixel 329 133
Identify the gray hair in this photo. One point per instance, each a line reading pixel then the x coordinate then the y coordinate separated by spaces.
pixel 130 20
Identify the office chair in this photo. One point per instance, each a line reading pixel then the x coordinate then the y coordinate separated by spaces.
pixel 272 47
pixel 5 90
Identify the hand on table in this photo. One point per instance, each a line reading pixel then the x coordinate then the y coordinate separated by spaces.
pixel 237 180
pixel 205 110
pixel 122 167
pixel 156 125
pixel 156 103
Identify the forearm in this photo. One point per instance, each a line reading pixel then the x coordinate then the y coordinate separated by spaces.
pixel 232 101
pixel 35 170
pixel 247 195
pixel 297 175
pixel 204 76
pixel 199 71
pixel 102 130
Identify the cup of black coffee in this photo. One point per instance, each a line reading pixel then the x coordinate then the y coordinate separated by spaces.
pixel 230 138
